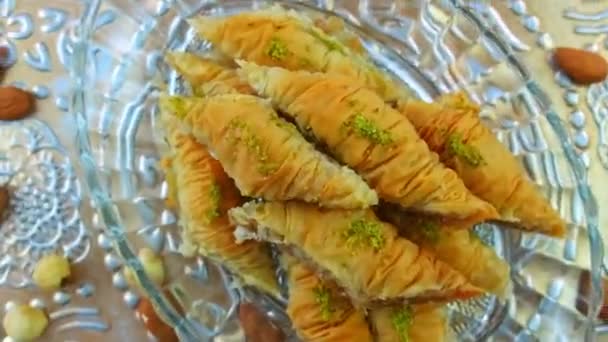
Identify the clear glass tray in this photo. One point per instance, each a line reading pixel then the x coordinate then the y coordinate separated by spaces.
pixel 434 47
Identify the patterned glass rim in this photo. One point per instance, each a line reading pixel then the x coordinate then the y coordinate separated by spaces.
pixel 185 329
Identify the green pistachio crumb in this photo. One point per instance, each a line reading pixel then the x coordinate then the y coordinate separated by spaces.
pixel 362 232
pixel 430 230
pixel 323 299
pixel 277 49
pixel 305 62
pixel 266 169
pixel 401 320
pixel 455 146
pixel 215 196
pixel 329 42
pixel 240 132
pixel 368 129
pixel 281 123
pixel 174 104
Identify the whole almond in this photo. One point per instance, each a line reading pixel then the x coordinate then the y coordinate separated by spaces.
pixel 4 201
pixel 582 67
pixel 584 293
pixel 15 104
pixel 155 326
pixel 256 326
pixel 6 60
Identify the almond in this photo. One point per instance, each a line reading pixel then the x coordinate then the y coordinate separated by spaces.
pixel 4 57
pixel 584 293
pixel 256 326
pixel 583 67
pixel 15 104
pixel 6 60
pixel 155 326
pixel 4 201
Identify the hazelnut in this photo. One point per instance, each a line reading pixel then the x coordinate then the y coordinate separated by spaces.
pixel 50 271
pixel 25 323
pixel 153 266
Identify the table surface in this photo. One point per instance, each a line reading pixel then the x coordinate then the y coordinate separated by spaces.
pixel 38 36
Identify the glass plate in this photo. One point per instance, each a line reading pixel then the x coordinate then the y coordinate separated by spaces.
pixel 432 46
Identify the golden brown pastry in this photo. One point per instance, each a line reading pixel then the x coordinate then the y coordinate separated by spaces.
pixel 458 247
pixel 276 37
pixel 452 129
pixel 199 71
pixel 265 155
pixel 362 254
pixel 334 26
pixel 318 309
pixel 205 193
pixel 360 130
pixel 410 323
pixel 214 88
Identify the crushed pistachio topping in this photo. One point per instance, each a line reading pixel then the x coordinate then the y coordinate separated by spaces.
pixel 429 230
pixel 266 169
pixel 305 62
pixel 401 320
pixel 323 299
pixel 239 131
pixel 455 146
pixel 174 104
pixel 362 232
pixel 283 124
pixel 368 129
pixel 215 196
pixel 277 49
pixel 329 42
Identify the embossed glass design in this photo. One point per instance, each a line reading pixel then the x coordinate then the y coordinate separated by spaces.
pixel 434 47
